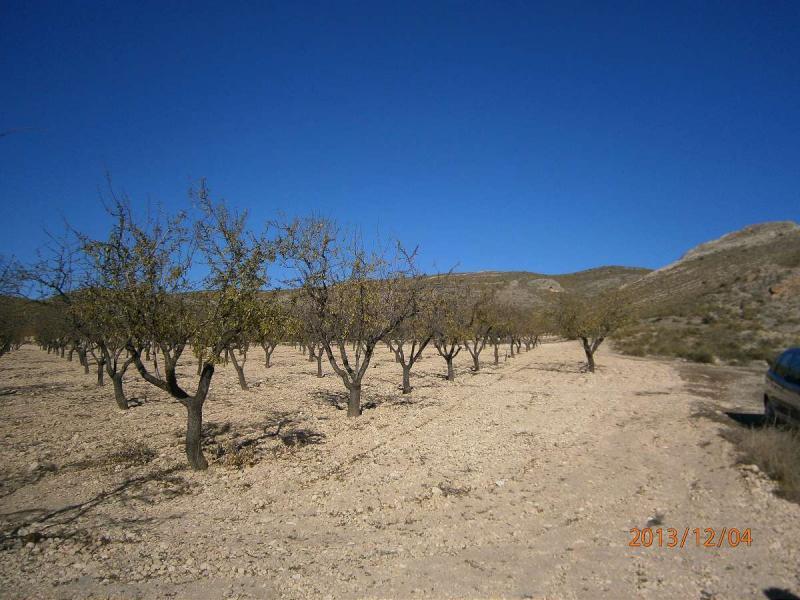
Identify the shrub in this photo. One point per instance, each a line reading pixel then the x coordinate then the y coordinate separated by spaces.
pixel 699 355
pixel 133 453
pixel 235 457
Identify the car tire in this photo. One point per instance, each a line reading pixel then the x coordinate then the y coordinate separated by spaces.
pixel 770 415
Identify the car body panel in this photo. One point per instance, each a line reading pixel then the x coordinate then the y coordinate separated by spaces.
pixel 782 389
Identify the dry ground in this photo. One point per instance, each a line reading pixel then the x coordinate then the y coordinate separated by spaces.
pixel 520 481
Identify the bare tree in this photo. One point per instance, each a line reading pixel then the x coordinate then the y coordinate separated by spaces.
pixel 172 310
pixel 535 324
pixel 448 320
pixel 498 315
pixel 591 319
pixel 58 280
pixel 274 324
pixel 477 323
pixel 359 295
pixel 12 309
pixel 307 328
pixel 411 337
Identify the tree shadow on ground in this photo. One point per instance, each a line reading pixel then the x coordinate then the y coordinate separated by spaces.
pixel 337 400
pixel 34 524
pixel 29 389
pixel 281 426
pixel 302 437
pixel 775 593
pixel 557 367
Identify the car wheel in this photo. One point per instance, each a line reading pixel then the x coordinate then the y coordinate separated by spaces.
pixel 770 415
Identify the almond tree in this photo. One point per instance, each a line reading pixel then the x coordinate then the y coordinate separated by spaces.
pixel 591 319
pixel 359 296
pixel 411 337
pixel 477 325
pixel 11 308
pixel 534 326
pixel 448 320
pixel 58 281
pixel 173 310
pixel 307 327
pixel 110 296
pixel 515 318
pixel 274 324
pixel 501 328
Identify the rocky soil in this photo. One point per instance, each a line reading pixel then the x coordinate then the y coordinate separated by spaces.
pixel 519 481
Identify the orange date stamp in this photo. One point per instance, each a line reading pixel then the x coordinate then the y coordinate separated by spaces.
pixel 669 537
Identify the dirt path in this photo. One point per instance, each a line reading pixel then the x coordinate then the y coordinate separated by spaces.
pixel 518 481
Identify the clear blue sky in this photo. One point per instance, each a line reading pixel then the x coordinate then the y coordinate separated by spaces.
pixel 547 137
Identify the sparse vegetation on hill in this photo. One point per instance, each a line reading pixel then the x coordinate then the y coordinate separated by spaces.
pixel 735 299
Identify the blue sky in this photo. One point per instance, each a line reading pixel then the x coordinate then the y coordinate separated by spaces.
pixel 547 137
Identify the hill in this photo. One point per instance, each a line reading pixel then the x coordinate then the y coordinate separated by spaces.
pixel 735 298
pixel 535 289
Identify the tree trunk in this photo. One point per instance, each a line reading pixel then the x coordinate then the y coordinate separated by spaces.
pixel 119 394
pixel 512 348
pixel 239 370
pixel 354 401
pixel 451 374
pixel 69 354
pixel 590 361
pixel 101 364
pixel 62 351
pixel 194 430
pixel 476 362
pixel 240 376
pixel 267 355
pixel 311 355
pixel 496 354
pixel 406 379
pixel 589 356
pixel 319 363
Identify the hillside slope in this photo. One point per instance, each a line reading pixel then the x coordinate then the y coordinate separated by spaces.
pixel 735 298
pixel 534 289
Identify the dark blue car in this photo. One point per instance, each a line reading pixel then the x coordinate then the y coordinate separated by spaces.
pixel 782 393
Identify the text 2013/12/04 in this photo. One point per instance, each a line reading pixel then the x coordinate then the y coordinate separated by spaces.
pixel 708 537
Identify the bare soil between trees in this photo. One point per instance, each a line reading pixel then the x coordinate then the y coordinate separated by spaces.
pixel 519 481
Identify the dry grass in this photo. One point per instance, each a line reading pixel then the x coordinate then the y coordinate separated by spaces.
pixel 776 451
pixel 133 452
pixel 235 457
pixel 727 340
